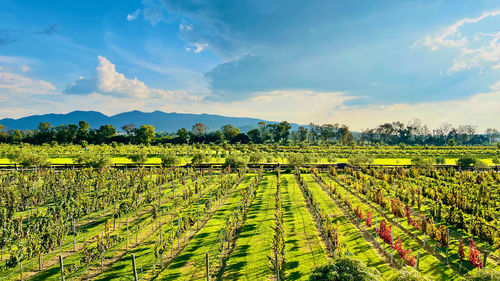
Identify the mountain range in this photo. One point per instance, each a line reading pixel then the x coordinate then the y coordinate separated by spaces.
pixel 162 121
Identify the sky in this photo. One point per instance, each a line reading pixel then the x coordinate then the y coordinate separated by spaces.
pixel 360 63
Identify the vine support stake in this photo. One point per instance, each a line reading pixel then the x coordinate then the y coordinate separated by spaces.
pixel 277 266
pixel 127 232
pixel 135 269
pixel 61 265
pixel 207 266
pixel 21 266
pixel 484 259
pixel 418 260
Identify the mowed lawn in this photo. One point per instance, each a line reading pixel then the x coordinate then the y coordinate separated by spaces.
pixel 304 250
pixel 144 252
pixel 350 236
pixel 190 264
pixel 249 260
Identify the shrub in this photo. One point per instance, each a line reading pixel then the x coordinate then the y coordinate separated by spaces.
pixel 139 157
pixel 466 161
pixel 256 157
pixel 346 268
pixel 93 160
pixel 408 273
pixel 486 274
pixel 169 159
pixel 198 158
pixel 422 162
pixel 295 159
pixel 29 159
pixel 235 161
pixel 358 160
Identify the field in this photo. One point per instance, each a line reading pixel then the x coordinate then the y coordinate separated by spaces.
pixel 251 224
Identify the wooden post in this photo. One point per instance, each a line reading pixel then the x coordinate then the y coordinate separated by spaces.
pixel 74 235
pixel 277 266
pixel 135 270
pixel 40 262
pixel 127 232
pixel 197 215
pixel 418 260
pixel 61 266
pixel 207 266
pixel 484 258
pixel 21 266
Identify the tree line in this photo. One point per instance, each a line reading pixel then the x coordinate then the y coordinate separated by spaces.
pixel 413 133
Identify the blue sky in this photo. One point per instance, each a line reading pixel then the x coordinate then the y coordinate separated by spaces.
pixel 355 62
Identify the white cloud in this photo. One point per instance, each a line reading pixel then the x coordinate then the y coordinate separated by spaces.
pixel 13 85
pixel 495 86
pixel 482 50
pixel 25 68
pixel 133 16
pixel 112 82
pixel 108 81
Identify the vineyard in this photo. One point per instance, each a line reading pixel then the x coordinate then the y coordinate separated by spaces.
pixel 236 223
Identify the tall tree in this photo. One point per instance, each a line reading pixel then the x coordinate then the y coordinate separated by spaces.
pixel 199 129
pixel 145 134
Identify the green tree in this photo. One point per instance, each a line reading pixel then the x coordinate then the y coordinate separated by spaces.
pixel 145 134
pixel 129 129
pixel 230 132
pixel 182 135
pixel 83 130
pixel 255 135
pixel 452 142
pixel 199 129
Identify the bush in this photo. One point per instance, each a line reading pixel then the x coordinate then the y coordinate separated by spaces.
pixel 29 159
pixel 139 157
pixel 93 160
pixel 198 158
pixel 235 161
pixel 466 161
pixel 256 157
pixel 409 273
pixel 440 160
pixel 486 274
pixel 295 159
pixel 345 268
pixel 358 160
pixel 170 159
pixel 422 162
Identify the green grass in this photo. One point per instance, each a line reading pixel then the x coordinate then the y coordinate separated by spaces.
pixel 144 252
pixel 249 260
pixel 190 264
pixel 304 250
pixel 349 235
pixel 95 227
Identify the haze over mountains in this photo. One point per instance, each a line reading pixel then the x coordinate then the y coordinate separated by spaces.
pixel 162 121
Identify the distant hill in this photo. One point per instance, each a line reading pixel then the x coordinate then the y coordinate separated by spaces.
pixel 162 121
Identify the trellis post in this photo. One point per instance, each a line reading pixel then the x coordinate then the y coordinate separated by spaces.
pixel 135 269
pixel 61 264
pixel 418 260
pixel 207 266
pixel 127 233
